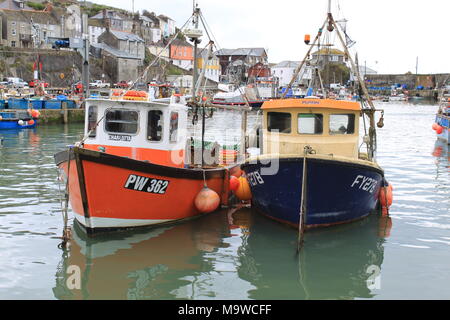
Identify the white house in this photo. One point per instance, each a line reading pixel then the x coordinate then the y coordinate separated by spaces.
pixel 285 70
pixel 166 25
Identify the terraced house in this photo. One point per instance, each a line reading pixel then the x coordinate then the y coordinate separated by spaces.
pixel 23 27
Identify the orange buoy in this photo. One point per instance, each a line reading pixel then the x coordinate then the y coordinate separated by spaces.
pixel 243 192
pixel 207 200
pixel 234 183
pixel 236 172
pixel 435 126
pixel 386 198
pixel 439 129
pixel 31 122
pixel 35 114
pixel 1 118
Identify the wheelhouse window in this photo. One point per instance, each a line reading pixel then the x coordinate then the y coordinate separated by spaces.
pixel 279 122
pixel 155 125
pixel 92 121
pixel 121 121
pixel 173 131
pixel 309 123
pixel 341 124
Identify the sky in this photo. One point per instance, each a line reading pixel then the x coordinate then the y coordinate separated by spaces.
pixel 391 35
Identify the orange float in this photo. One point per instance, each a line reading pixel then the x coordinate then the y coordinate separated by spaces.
pixel 243 192
pixel 207 200
pixel 234 183
pixel 386 199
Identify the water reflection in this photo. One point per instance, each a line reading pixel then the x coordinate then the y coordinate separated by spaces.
pixel 441 153
pixel 139 265
pixel 239 255
pixel 333 264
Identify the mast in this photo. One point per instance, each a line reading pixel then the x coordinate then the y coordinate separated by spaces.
pixel 196 42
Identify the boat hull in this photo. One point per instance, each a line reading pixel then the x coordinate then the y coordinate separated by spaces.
pixel 109 192
pixel 14 125
pixel 444 121
pixel 253 104
pixel 337 192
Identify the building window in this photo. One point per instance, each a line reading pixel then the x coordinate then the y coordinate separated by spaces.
pixel 13 32
pixel 13 44
pixel 342 124
pixel 334 58
pixel 92 121
pixel 310 123
pixel 155 125
pixel 13 23
pixel 173 132
pixel 279 122
pixel 121 121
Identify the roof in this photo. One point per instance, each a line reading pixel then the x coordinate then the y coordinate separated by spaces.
pixel 257 52
pixel 115 52
pixel 40 17
pixel 165 18
pixel 287 64
pixel 126 36
pixel 328 51
pixel 312 103
pixel 179 42
pixel 14 5
pixel 145 18
pixel 111 14
pixel 151 16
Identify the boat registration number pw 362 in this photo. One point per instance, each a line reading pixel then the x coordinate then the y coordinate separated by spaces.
pixel 145 184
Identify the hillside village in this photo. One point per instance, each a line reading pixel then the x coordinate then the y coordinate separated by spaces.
pixel 122 44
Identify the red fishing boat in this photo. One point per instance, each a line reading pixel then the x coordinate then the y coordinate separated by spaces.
pixel 131 169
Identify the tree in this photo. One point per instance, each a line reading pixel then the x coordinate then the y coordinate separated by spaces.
pixel 335 73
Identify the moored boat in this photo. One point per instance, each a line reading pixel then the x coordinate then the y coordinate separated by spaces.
pixel 18 119
pixel 312 170
pixel 134 168
pixel 240 97
pixel 340 183
pixel 130 171
pixel 442 123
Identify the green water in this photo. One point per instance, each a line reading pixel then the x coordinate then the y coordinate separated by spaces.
pixel 232 255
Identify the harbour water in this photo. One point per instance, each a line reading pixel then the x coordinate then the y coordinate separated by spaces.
pixel 232 255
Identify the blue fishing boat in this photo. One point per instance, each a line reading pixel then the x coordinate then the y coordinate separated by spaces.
pixel 315 167
pixel 17 119
pixel 442 124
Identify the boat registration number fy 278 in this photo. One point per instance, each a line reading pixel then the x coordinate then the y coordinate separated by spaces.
pixel 254 178
pixel 365 183
pixel 145 184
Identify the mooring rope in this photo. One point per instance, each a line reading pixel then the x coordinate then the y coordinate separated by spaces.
pixel 65 209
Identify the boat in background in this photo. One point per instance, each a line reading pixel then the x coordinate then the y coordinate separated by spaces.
pixel 398 97
pixel 18 119
pixel 442 122
pixel 239 97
